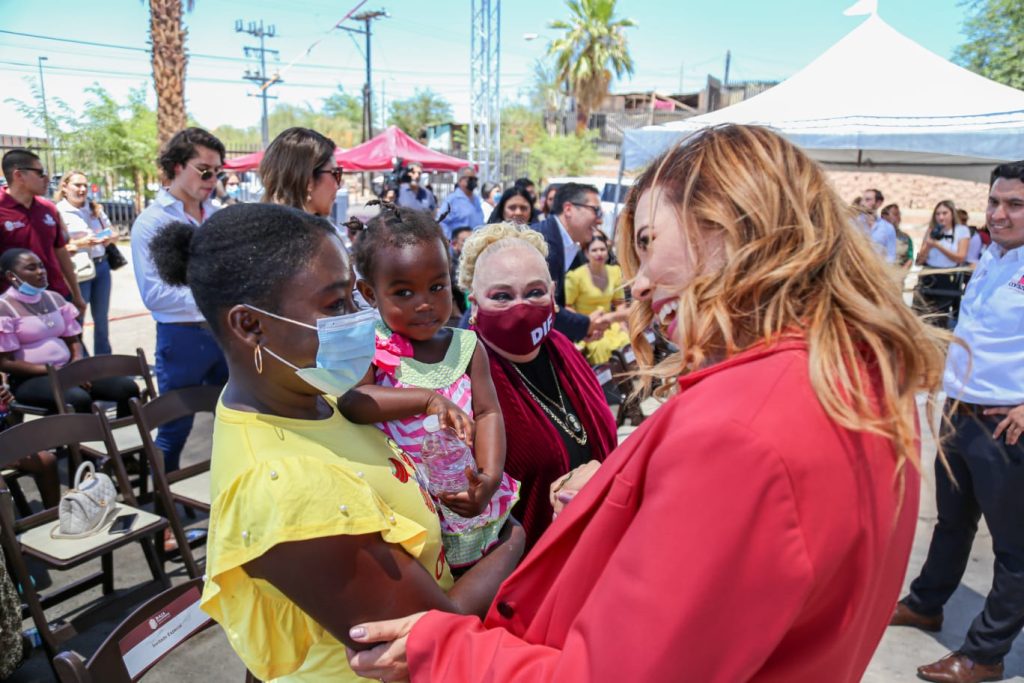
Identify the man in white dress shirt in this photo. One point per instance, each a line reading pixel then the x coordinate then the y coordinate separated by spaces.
pixel 985 451
pixel 881 231
pixel 186 353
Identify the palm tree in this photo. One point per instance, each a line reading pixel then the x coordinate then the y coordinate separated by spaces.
pixel 167 36
pixel 593 46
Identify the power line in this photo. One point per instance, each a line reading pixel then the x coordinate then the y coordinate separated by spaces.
pixel 261 77
pixel 227 58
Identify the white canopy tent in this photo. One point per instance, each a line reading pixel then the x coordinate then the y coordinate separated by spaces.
pixel 874 101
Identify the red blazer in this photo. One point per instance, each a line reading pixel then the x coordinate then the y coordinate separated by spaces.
pixel 738 535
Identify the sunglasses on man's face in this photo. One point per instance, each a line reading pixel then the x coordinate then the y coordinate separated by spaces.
pixel 205 173
pixel 40 171
pixel 336 172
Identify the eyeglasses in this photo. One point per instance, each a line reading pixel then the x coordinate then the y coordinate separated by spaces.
pixel 336 172
pixel 41 171
pixel 205 173
pixel 596 209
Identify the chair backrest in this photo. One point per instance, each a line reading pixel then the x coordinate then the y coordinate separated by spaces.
pixel 99 367
pixel 148 635
pixel 60 431
pixel 48 433
pixel 174 405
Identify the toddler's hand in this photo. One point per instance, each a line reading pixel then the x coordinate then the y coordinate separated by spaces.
pixel 451 416
pixel 474 500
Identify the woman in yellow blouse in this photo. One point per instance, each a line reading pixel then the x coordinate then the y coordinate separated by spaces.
pixel 598 286
pixel 317 524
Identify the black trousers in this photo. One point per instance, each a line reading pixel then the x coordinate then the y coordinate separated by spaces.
pixel 989 482
pixel 36 391
pixel 938 295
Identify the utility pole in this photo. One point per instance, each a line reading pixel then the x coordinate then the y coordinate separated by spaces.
pixel 46 115
pixel 728 62
pixel 485 88
pixel 260 77
pixel 367 18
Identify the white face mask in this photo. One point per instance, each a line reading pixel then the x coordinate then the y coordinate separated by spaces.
pixel 347 344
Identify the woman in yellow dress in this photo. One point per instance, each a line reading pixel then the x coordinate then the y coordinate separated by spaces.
pixel 317 523
pixel 598 286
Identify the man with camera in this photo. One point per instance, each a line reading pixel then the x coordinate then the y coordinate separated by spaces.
pixel 411 194
pixel 984 451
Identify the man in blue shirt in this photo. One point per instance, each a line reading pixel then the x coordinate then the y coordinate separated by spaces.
pixel 186 353
pixel 463 206
pixel 881 231
pixel 983 475
pixel 412 195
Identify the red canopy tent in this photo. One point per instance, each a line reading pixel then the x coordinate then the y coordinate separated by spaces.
pixel 246 162
pixel 377 154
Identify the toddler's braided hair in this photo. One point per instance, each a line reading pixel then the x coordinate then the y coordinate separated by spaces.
pixel 394 226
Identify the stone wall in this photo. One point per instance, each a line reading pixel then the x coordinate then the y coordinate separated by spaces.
pixel 913 191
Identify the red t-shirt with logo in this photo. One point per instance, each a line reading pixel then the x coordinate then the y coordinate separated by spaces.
pixel 36 228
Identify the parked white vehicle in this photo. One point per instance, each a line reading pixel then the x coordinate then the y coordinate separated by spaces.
pixel 606 189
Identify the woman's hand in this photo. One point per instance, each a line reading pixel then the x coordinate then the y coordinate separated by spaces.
pixel 474 499
pixel 451 416
pixel 565 488
pixel 387 661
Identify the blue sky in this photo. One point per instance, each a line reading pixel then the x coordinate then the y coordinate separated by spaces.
pixel 426 44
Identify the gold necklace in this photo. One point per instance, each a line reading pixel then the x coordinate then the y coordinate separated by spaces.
pixel 40 314
pixel 575 428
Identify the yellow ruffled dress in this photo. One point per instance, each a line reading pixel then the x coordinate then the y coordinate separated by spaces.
pixel 277 479
pixel 584 297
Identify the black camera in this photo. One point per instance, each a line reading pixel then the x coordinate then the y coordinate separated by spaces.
pixel 937 233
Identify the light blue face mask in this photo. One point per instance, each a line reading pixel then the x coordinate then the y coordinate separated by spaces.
pixel 347 344
pixel 29 290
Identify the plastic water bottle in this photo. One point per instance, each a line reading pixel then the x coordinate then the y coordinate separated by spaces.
pixel 445 458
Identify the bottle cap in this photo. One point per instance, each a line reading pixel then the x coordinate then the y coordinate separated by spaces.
pixel 431 423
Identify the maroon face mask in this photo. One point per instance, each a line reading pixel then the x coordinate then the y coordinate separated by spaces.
pixel 517 330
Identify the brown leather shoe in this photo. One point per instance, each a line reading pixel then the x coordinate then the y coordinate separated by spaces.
pixel 959 668
pixel 904 616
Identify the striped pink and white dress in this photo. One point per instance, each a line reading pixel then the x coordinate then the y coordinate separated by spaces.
pixel 450 378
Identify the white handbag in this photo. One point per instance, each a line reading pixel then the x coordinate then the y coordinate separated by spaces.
pixel 84 509
pixel 85 269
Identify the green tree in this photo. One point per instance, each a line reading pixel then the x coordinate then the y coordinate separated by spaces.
pixel 593 46
pixel 556 155
pixel 995 41
pixel 521 127
pixel 113 142
pixel 342 105
pixel 425 108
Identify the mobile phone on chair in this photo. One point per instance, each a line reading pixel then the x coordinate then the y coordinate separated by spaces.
pixel 123 524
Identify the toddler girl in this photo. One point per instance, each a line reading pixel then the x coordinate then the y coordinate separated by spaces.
pixel 424 368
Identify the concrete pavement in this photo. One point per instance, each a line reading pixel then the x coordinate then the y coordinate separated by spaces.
pixel 209 657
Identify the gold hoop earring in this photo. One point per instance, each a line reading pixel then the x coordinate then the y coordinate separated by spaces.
pixel 258 359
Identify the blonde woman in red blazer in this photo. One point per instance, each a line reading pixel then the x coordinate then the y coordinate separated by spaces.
pixel 757 527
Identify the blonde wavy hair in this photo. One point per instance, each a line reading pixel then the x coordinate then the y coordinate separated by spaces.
pixel 492 238
pixel 62 192
pixel 794 263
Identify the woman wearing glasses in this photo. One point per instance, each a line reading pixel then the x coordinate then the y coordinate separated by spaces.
pixel 299 170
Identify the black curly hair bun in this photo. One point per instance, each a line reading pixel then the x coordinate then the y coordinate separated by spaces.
pixel 169 249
